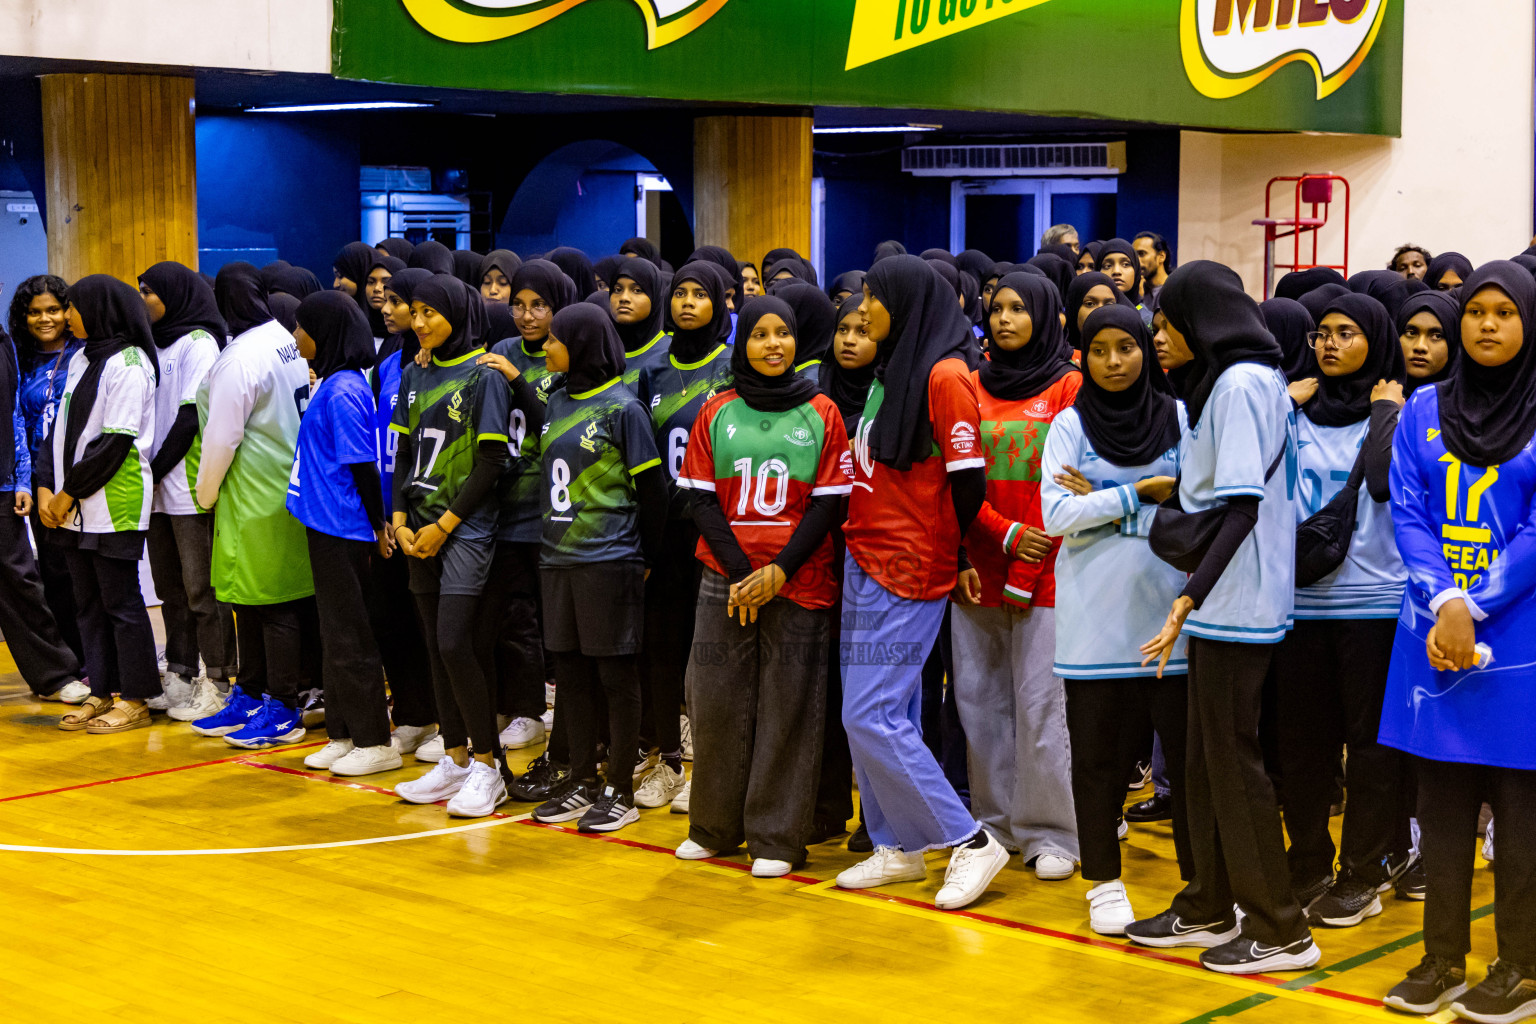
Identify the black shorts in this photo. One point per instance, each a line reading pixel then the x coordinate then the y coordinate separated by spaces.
pixel 596 609
pixel 460 567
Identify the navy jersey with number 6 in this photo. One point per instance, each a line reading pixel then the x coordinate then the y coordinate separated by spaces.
pixel 676 392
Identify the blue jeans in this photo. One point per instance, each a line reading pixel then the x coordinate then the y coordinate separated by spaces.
pixel 906 799
pixel 1160 784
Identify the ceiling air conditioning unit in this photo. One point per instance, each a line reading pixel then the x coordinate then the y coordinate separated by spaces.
pixel 1017 161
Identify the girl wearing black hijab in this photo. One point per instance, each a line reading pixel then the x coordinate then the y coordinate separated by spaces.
pixel 604 270
pixel 845 285
pixel 845 378
pixel 1088 258
pixel 432 255
pixel 751 281
pixel 334 491
pixel 188 333
pixel 286 279
pixel 1087 293
pixel 639 307
pixel 976 263
pixel 577 267
pixel 1299 282
pixel 767 584
pixel 1057 269
pixel 1118 259
pixel 815 322
pixel 1317 300
pixel 1292 326
pixel 1426 327
pixel 888 248
pixel 642 248
pixel 496 270
pixel 801 266
pixel 1124 428
pixel 466 267
pixel 723 259
pixel 1238 456
pixel 1447 271
pixel 1332 667
pixel 399 248
pixel 1010 701
pixel 1387 287
pixel 907 519
pixel 96 485
pixel 354 267
pixel 605 511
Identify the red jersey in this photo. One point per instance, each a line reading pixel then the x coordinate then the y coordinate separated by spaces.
pixel 765 467
pixel 901 526
pixel 1013 440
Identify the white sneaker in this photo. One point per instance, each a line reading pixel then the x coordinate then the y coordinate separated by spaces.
pixel 644 763
pixel 206 702
pixel 1051 868
pixel 328 755
pixel 549 694
pixel 762 867
pixel 886 865
pixel 1123 831
pixel 548 718
pixel 442 782
pixel 410 738
pixel 431 750
pixel 1488 843
pixel 368 760
pixel 969 873
pixel 522 732
pixel 659 786
pixel 1109 908
pixel 72 692
pixel 691 850
pixel 483 791
pixel 684 795
pixel 176 691
pixel 687 729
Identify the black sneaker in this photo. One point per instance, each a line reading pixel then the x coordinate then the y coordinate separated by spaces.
pixel 1310 894
pixel 824 831
pixel 569 800
pixel 1246 956
pixel 1508 994
pixel 1413 884
pixel 1154 808
pixel 612 811
pixel 1346 904
pixel 540 781
pixel 860 842
pixel 1167 930
pixel 1429 986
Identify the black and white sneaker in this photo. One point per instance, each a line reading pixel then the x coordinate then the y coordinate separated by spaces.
pixel 1312 893
pixel 1167 930
pixel 1429 987
pixel 1413 884
pixel 540 781
pixel 1508 994
pixel 1346 904
pixel 1246 956
pixel 569 801
pixel 612 811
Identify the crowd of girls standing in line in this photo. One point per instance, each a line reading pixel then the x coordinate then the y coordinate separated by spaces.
pixel 737 516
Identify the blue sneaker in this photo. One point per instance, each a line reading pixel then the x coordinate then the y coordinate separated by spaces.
pixel 274 725
pixel 237 714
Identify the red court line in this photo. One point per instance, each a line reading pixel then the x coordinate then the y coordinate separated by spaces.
pixel 158 771
pixel 339 780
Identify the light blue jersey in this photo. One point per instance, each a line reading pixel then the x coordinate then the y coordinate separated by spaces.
pixel 1112 592
pixel 1369 585
pixel 1246 423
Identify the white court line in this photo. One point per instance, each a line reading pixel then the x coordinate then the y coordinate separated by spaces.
pixel 8 848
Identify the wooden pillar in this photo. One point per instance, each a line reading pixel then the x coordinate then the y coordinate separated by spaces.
pixel 752 184
pixel 120 160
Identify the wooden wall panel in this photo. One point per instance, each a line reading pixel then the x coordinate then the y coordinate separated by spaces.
pixel 121 170
pixel 752 184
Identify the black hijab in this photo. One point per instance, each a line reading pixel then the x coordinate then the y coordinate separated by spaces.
pixel 576 266
pixel 290 280
pixel 1447 261
pixel 343 340
pixel 815 321
pixel 604 269
pixel 1061 250
pixel 888 249
pixel 1290 323
pixel 432 255
pixel 1387 287
pixel 648 276
pixel 941 254
pixel 1077 291
pixel 1134 426
pixel 1121 247
pixel 504 260
pixel 1205 302
pixel 798 271
pixel 466 267
pixel 1487 413
pixel 692 345
pixel 1057 269
pixel 1299 282
pixel 1341 401
pixel 462 307
pixel 404 285
pixel 1527 261
pixel 948 272
pixel 1093 249
pixel 723 259
pixel 1447 310
pixel 1317 300
pixel 970 297
pixel 353 263
pixel 851 281
pixel 547 281
pixel 758 390
pixel 643 249
pixel 1045 359
pixel 596 353
pixel 399 248
pixel 285 309
pixel 189 304
pixel 242 300
pixel 848 389
pixel 500 324
pixel 114 318
pixel 927 325
pixel 976 263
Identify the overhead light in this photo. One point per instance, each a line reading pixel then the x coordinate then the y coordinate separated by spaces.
pixel 877 129
pixel 312 108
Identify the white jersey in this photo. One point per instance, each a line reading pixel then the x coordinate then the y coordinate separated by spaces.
pixel 1369 585
pixel 1112 592
pixel 124 405
pixel 184 365
pixel 1246 423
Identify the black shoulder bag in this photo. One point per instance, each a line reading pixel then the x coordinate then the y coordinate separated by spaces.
pixel 1322 540
pixel 1182 538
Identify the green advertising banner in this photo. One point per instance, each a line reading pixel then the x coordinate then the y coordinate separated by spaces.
pixel 1261 65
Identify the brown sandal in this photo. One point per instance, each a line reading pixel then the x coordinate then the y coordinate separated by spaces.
pixel 120 717
pixel 81 717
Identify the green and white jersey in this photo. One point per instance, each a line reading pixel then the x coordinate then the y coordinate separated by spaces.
pixel 184 365
pixel 448 408
pixel 592 447
pixel 675 393
pixel 124 405
pixel 520 492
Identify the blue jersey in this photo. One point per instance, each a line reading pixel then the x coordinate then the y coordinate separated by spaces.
pixel 339 430
pixel 388 440
pixel 42 386
pixel 1369 585
pixel 1246 423
pixel 1462 529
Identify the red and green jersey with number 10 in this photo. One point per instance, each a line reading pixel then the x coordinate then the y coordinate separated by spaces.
pixel 765 467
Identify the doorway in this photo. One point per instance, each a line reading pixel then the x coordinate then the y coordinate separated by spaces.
pixel 1005 217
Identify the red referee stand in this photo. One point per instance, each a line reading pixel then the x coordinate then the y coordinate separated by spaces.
pixel 1310 190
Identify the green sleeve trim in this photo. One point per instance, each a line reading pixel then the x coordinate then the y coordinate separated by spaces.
pixel 637 470
pixel 125 431
pixel 462 359
pixel 588 394
pixel 397 428
pixel 503 438
pixel 701 362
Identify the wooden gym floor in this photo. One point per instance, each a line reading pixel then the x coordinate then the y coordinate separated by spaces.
pixel 161 877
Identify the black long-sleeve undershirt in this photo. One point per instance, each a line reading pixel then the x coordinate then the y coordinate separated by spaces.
pixel 100 461
pixel 820 516
pixel 709 517
pixel 177 443
pixel 1378 448
pixel 651 497
pixel 1242 516
pixel 365 477
pixel 526 398
pixel 491 459
pixel 967 491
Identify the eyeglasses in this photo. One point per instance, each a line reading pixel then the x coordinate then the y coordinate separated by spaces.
pixel 1343 339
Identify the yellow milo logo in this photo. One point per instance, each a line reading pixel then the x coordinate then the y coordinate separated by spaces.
pixel 666 21
pixel 1230 46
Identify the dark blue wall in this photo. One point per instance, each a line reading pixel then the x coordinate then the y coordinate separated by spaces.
pixel 1149 189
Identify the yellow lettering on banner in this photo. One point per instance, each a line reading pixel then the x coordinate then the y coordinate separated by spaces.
pixel 488 22
pixel 884 28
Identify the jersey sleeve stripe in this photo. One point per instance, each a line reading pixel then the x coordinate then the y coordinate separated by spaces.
pixel 1240 492
pixel 697 485
pixel 503 438
pixel 637 470
pixel 128 431
pixel 831 489
pixel 397 428
pixel 959 464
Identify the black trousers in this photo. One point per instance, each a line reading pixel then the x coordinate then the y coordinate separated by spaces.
pixel 1107 722
pixel 1450 797
pixel 354 678
pixel 671 597
pixel 397 634
pixel 464 707
pixel 197 625
pixel 509 632
pixel 579 678
pixel 1236 844
pixel 58 591
pixel 114 626
pixel 25 619
pixel 1331 680
pixel 269 637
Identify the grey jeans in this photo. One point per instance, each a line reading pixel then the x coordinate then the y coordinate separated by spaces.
pixel 1014 709
pixel 181 561
pixel 756 697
